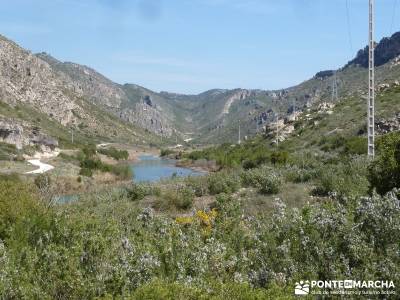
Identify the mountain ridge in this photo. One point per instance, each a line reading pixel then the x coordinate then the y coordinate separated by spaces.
pixel 66 92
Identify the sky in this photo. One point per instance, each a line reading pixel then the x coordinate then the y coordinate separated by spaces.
pixel 189 46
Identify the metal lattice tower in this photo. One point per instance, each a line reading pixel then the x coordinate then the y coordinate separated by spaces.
pixel 277 130
pixel 239 140
pixel 335 96
pixel 371 83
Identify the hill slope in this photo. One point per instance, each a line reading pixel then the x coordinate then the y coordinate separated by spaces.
pixel 36 97
pixel 68 95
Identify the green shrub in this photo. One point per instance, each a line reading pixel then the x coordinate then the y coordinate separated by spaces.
pixel 89 150
pixel 356 146
pixel 198 184
pixel 384 171
pixel 17 202
pixel 249 154
pixel 42 181
pixel 7 150
pixel 266 180
pixel 279 157
pixel 88 165
pixel 158 289
pixel 114 153
pixel 181 198
pixel 123 172
pixel 166 152
pixel 139 191
pixel 347 178
pixel 223 182
pixel 86 172
pixel 249 164
pixel 296 174
pixel 69 158
pixel 104 247
pixel 331 142
pixel 92 164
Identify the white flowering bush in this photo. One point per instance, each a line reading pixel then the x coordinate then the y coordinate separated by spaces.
pixel 296 174
pixel 266 180
pixel 106 246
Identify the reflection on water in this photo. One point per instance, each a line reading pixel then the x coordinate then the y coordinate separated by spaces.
pixel 151 168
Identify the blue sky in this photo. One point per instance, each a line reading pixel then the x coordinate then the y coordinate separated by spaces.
pixel 190 46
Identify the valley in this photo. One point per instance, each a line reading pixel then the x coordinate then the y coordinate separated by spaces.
pixel 112 191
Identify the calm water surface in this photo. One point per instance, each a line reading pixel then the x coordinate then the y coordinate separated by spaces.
pixel 151 168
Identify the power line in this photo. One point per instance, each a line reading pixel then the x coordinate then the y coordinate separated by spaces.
pixel 393 16
pixel 349 27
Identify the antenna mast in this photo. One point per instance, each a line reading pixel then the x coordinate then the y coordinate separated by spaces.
pixel 371 83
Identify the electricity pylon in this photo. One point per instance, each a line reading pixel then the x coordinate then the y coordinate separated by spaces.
pixel 371 83
pixel 277 129
pixel 334 88
pixel 239 140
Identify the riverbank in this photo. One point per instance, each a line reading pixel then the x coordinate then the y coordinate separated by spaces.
pixel 201 165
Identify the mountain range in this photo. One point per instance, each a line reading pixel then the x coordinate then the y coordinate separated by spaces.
pixel 43 99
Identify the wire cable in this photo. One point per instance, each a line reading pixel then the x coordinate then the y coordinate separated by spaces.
pixel 349 26
pixel 393 17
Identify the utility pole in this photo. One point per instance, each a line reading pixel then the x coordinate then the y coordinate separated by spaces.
pixel 239 141
pixel 277 130
pixel 72 135
pixel 371 83
pixel 294 108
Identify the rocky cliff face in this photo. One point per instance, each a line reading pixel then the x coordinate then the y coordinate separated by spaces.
pixel 26 79
pixel 73 96
pixel 22 134
pixel 147 116
pixel 113 97
pixel 87 82
pixel 385 50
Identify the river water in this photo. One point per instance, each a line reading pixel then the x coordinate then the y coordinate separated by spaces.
pixel 150 168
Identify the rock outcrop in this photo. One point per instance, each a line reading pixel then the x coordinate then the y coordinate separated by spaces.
pixel 390 125
pixel 147 116
pixel 386 50
pixel 26 79
pixel 22 134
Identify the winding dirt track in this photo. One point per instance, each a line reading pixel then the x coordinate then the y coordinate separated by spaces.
pixel 43 168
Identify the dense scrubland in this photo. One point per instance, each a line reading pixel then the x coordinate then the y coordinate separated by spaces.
pixel 154 241
pixel 313 208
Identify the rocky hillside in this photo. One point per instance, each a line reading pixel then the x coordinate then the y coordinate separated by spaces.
pixel 125 102
pixel 34 93
pixel 387 49
pixel 71 96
